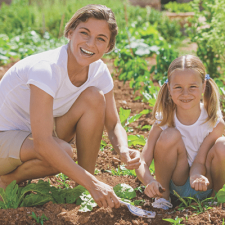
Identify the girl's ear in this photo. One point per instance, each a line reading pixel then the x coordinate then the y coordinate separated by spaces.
pixel 168 86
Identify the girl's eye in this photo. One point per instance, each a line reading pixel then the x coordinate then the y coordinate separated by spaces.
pixel 193 86
pixel 177 87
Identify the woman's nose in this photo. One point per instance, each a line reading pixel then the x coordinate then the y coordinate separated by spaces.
pixel 90 41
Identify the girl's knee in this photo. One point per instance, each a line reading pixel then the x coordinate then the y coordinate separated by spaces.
pixel 94 97
pixel 219 148
pixel 169 137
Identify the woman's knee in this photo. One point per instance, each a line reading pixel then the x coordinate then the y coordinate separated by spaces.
pixel 93 97
pixel 169 137
pixel 66 147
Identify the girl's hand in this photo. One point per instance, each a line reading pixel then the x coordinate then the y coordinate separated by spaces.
pixel 104 195
pixel 199 182
pixel 154 189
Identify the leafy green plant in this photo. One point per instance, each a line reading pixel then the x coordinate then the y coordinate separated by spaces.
pixel 38 219
pixel 122 171
pixel 126 119
pixel 37 194
pixel 198 205
pixel 86 201
pixel 178 7
pixel 174 222
pixel 124 191
pixel 63 179
pixel 209 34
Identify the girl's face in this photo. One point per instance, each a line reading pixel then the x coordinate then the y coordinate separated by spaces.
pixel 186 88
pixel 89 41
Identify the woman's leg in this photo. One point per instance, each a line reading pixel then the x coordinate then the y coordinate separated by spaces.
pixel 170 159
pixel 215 165
pixel 33 164
pixel 86 119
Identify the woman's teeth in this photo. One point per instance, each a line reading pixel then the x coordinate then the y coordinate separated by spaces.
pixel 87 52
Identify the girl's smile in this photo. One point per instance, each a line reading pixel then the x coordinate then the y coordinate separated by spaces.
pixel 186 89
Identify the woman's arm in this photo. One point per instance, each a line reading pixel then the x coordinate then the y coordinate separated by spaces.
pixel 41 116
pixel 198 180
pixel 117 134
pixel 147 155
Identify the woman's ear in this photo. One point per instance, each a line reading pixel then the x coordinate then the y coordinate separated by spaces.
pixel 69 36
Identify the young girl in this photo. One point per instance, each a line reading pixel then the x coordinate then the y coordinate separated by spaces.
pixel 185 141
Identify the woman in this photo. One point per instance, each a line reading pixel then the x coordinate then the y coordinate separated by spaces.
pixel 49 98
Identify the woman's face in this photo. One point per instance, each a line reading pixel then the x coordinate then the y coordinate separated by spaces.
pixel 89 41
pixel 186 88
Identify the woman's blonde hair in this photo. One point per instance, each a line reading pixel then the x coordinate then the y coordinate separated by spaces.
pixel 165 107
pixel 99 12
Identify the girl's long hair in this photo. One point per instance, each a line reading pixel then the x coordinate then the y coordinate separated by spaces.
pixel 164 108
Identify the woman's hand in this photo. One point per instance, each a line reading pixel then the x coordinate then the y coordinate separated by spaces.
pixel 104 195
pixel 199 182
pixel 154 189
pixel 131 158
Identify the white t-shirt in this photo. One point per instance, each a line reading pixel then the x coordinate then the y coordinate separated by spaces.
pixel 193 135
pixel 47 71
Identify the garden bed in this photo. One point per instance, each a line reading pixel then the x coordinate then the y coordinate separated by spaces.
pixel 108 160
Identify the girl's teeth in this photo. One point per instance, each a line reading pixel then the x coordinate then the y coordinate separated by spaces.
pixel 87 52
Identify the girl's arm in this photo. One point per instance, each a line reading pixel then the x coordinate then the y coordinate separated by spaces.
pixel 118 136
pixel 198 180
pixel 143 172
pixel 41 116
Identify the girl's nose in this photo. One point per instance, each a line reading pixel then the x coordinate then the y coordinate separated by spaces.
pixel 185 91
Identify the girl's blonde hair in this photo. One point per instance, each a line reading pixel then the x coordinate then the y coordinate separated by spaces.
pixel 99 12
pixel 164 107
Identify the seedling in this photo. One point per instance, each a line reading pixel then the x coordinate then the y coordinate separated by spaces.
pixel 176 221
pixel 63 180
pixel 38 219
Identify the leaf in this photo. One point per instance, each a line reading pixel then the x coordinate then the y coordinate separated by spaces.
pixel 136 140
pixel 36 199
pixel 124 191
pixel 221 195
pixel 87 202
pixel 124 114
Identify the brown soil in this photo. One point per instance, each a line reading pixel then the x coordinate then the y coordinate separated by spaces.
pixel 60 214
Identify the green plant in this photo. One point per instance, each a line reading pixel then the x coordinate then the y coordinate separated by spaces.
pixel 37 194
pixel 209 34
pixel 174 222
pixel 124 191
pixel 198 205
pixel 63 179
pixel 122 171
pixel 38 219
pixel 178 7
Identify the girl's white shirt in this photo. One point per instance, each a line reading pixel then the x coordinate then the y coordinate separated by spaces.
pixel 193 135
pixel 47 71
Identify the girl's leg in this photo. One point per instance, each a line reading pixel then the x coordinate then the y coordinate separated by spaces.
pixel 86 118
pixel 170 160
pixel 215 165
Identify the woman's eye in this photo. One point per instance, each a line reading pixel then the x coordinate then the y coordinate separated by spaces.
pixel 85 33
pixel 101 39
